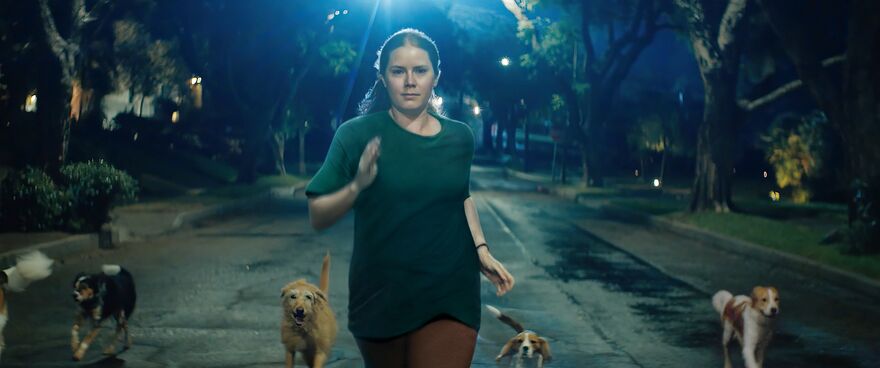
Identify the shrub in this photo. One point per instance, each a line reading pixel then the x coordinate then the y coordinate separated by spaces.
pixel 30 200
pixel 94 188
pixel 794 146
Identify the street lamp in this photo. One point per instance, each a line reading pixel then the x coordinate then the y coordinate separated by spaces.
pixel 505 61
pixel 196 85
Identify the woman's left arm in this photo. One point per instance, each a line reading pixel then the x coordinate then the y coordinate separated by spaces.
pixel 489 266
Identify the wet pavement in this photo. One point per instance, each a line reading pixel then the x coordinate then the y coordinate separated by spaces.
pixel 208 297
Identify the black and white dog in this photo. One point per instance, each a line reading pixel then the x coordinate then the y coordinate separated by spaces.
pixel 101 296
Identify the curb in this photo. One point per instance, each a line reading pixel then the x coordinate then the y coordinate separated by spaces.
pixel 841 278
pixel 526 176
pixel 58 249
pixel 186 218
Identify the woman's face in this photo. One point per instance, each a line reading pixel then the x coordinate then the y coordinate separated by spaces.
pixel 409 78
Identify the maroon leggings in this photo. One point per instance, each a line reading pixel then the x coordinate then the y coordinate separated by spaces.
pixel 441 343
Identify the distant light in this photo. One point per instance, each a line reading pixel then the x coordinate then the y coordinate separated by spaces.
pixel 330 16
pixel 637 172
pixel 656 183
pixel 765 174
pixel 135 136
pixel 175 117
pixel 476 110
pixel 336 12
pixel 774 196
pixel 30 104
pixel 505 61
pixel 195 80
pixel 345 11
pixel 680 97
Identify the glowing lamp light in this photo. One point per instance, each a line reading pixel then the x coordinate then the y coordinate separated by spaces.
pixel 637 172
pixel 765 174
pixel 336 12
pixel 345 11
pixel 30 104
pixel 656 183
pixel 175 117
pixel 330 16
pixel 775 196
pixel 505 61
pixel 195 80
pixel 476 110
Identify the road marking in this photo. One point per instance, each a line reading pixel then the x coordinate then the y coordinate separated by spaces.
pixel 510 233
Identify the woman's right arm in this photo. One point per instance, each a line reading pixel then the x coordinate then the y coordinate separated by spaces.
pixel 327 209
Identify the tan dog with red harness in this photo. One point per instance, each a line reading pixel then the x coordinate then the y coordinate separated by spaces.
pixel 750 319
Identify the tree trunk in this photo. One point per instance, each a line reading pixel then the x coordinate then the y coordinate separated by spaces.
pixel 585 172
pixel 663 165
pixel 487 133
pixel 642 168
pixel 70 57
pixel 278 150
pixel 302 151
pixel 718 60
pixel 526 147
pixel 712 182
pixel 510 128
pixel 141 107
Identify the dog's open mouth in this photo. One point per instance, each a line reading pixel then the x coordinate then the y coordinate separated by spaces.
pixel 299 317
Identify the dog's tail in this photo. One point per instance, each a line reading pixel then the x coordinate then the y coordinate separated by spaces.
pixel 505 318
pixel 720 299
pixel 30 267
pixel 111 270
pixel 325 274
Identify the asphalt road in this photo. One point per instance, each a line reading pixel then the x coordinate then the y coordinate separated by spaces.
pixel 208 296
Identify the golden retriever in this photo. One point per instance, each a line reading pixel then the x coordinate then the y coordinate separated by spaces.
pixel 308 324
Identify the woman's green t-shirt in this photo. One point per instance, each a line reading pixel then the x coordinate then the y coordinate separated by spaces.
pixel 413 257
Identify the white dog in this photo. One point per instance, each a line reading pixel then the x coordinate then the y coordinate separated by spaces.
pixel 750 319
pixel 29 268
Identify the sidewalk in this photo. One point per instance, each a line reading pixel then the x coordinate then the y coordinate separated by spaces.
pixel 136 222
pixel 603 204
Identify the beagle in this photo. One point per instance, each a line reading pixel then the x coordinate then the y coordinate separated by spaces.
pixel 526 343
